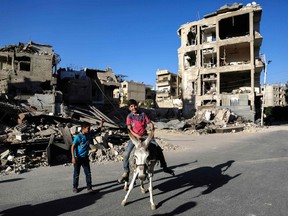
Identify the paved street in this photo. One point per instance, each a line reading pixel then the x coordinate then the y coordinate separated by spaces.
pixel 241 174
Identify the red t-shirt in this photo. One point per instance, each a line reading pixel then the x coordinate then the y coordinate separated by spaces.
pixel 138 123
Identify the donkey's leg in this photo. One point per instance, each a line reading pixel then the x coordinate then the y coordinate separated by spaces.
pixel 142 187
pixel 126 185
pixel 123 203
pixel 153 206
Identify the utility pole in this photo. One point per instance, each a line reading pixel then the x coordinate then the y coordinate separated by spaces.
pixel 263 59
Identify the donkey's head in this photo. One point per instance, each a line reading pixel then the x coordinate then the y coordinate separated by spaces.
pixel 141 153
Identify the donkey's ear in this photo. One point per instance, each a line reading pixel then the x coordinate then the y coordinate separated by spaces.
pixel 149 138
pixel 134 140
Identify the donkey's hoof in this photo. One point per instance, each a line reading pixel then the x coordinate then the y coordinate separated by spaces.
pixel 123 203
pixel 153 206
pixel 143 191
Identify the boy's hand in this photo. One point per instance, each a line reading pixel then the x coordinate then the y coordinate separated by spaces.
pixel 73 160
pixel 137 136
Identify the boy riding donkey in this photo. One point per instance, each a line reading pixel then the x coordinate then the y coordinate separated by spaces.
pixel 136 123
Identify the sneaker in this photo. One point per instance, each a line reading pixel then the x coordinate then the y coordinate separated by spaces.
pixel 90 190
pixel 75 190
pixel 168 170
pixel 124 177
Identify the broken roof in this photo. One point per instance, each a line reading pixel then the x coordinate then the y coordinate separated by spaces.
pixel 30 47
pixel 226 8
pixel 106 77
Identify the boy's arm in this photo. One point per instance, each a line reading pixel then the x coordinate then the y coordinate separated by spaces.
pixel 131 131
pixel 148 121
pixel 151 126
pixel 72 153
pixel 94 133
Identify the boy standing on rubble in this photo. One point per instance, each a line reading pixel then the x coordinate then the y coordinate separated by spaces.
pixel 136 123
pixel 80 151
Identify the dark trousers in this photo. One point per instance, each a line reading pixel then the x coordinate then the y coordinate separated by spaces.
pixel 84 162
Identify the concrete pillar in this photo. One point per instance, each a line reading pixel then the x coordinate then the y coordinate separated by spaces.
pixel 252 59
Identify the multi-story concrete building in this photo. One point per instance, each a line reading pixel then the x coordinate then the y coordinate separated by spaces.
pixel 219 60
pixel 167 85
pixel 132 90
pixel 27 68
pixel 87 86
pixel 274 95
pixel 167 89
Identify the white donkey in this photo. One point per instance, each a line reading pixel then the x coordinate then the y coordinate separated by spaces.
pixel 142 168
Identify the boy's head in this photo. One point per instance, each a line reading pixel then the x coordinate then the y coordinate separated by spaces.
pixel 85 127
pixel 132 102
pixel 133 105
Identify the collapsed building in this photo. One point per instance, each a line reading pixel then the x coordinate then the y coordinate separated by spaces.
pixel 219 60
pixel 87 86
pixel 26 69
pixel 27 75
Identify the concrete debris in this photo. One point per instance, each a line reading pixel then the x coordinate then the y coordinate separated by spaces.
pixel 33 139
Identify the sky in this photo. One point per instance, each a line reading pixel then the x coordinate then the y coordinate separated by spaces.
pixel 133 37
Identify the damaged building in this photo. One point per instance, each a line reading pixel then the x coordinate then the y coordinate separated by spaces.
pixel 26 69
pixel 87 86
pixel 168 89
pixel 219 60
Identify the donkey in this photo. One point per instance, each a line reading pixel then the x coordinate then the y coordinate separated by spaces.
pixel 144 166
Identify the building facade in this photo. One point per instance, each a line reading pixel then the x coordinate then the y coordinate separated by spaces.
pixel 167 85
pixel 274 95
pixel 87 86
pixel 27 68
pixel 167 88
pixel 219 60
pixel 132 90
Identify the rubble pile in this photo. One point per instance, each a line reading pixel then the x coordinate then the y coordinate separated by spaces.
pixel 31 139
pixel 104 151
pixel 209 120
pixel 21 161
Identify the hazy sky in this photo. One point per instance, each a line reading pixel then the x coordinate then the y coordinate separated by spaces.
pixel 133 37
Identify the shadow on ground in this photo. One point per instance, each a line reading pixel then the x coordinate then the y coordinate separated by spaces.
pixel 209 177
pixel 64 205
pixel 179 210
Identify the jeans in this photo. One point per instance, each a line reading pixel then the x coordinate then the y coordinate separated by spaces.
pixel 129 149
pixel 85 163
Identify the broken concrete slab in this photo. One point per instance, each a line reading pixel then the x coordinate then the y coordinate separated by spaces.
pixel 229 129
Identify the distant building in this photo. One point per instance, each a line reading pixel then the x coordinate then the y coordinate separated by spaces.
pixel 76 86
pixel 87 86
pixel 167 88
pixel 150 92
pixel 132 90
pixel 167 85
pixel 104 82
pixel 275 95
pixel 218 56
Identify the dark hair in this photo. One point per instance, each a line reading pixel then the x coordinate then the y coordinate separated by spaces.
pixel 132 102
pixel 85 125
